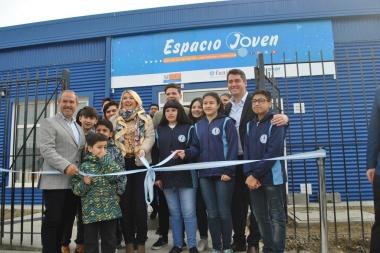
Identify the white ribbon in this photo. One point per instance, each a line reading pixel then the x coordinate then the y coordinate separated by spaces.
pixel 150 176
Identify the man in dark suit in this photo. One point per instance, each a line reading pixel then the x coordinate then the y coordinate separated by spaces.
pixel 240 109
pixel 61 143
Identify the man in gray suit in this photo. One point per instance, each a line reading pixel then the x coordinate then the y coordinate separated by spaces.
pixel 61 144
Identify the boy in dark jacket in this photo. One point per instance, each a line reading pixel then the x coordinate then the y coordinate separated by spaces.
pixel 265 178
pixel 100 205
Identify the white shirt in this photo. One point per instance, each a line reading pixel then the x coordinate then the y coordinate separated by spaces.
pixel 73 127
pixel 235 113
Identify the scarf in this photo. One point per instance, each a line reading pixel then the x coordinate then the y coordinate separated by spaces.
pixel 141 124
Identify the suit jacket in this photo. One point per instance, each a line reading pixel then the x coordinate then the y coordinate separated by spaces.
pixel 58 149
pixel 246 116
pixel 373 141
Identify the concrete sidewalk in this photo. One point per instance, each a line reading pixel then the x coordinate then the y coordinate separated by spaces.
pixel 29 243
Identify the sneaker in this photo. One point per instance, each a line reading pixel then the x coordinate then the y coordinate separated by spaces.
pixel 65 249
pixel 193 250
pixel 79 248
pixel 202 244
pixel 184 245
pixel 175 249
pixel 159 244
pixel 227 251
pixel 216 251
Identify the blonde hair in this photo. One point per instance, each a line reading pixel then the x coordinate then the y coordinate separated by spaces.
pixel 135 96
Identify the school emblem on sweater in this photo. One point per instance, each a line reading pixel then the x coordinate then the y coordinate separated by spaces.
pixel 263 138
pixel 181 138
pixel 215 131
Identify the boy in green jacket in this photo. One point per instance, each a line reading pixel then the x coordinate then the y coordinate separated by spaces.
pixel 100 207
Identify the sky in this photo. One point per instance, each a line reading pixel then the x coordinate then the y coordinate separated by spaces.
pixel 17 12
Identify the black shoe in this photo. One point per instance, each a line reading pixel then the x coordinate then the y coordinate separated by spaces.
pixel 253 249
pixel 159 244
pixel 153 214
pixel 238 248
pixel 193 250
pixel 175 249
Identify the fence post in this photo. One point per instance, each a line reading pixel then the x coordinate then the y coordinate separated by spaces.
pixel 66 79
pixel 260 73
pixel 322 202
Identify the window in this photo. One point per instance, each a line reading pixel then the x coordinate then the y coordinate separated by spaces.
pixel 29 156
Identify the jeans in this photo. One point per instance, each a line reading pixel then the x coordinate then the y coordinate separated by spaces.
pixel 60 207
pixel 107 230
pixel 133 206
pixel 375 232
pixel 217 195
pixel 268 207
pixel 181 203
pixel 202 221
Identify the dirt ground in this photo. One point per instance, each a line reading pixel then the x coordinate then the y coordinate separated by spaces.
pixel 17 213
pixel 341 237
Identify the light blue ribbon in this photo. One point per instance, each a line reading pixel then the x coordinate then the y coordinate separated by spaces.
pixel 150 176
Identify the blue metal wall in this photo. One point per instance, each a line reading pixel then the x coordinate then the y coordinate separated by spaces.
pixel 87 65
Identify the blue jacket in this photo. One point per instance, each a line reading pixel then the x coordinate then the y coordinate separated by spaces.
pixel 168 140
pixel 373 142
pixel 215 141
pixel 264 140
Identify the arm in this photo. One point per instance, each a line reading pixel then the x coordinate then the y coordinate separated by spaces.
pixel 110 167
pixel 280 120
pixel 47 141
pixel 232 151
pixel 149 138
pixel 115 153
pixel 274 148
pixel 194 150
pixel 78 185
pixel 373 143
pixel 247 167
pixel 157 118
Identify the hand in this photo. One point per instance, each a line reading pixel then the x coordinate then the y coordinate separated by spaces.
pixel 101 153
pixel 87 179
pixel 180 154
pixel 225 178
pixel 141 153
pixel 370 174
pixel 158 183
pixel 71 170
pixel 279 120
pixel 252 182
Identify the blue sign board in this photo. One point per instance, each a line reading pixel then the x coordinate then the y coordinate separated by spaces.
pixel 227 47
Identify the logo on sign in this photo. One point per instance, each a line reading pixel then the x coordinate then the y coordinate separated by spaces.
pixel 218 73
pixel 172 78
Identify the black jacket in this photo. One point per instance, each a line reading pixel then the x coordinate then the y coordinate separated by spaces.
pixel 168 140
pixel 247 115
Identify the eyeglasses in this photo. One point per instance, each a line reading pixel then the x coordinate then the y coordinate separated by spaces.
pixel 260 100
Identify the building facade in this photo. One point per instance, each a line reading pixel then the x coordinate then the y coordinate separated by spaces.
pixel 196 45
